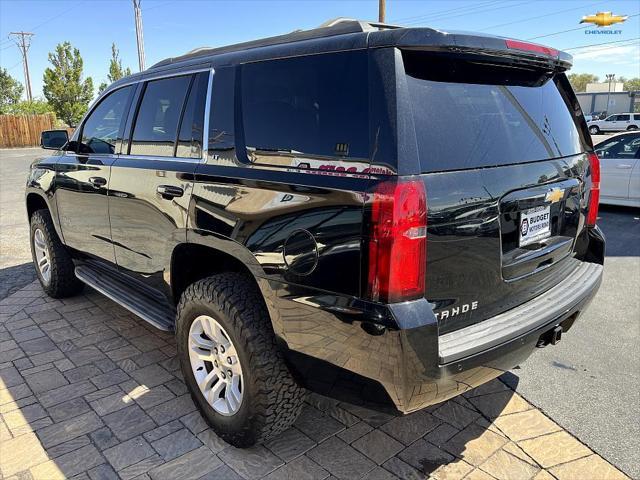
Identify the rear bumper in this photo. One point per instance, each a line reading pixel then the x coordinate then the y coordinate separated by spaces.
pixel 533 315
pixel 334 349
pixel 474 355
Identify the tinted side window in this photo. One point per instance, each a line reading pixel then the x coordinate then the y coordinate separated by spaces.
pixel 221 121
pixel 623 118
pixel 192 124
pixel 312 105
pixel 104 124
pixel 156 124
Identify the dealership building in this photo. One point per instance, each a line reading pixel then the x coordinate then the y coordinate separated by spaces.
pixel 595 99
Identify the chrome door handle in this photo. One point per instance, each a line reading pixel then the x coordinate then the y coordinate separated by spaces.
pixel 169 191
pixel 624 166
pixel 97 182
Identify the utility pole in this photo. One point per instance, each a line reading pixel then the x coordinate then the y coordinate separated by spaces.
pixel 139 38
pixel 381 10
pixel 610 78
pixel 23 41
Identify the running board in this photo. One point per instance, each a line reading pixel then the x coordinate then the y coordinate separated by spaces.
pixel 111 286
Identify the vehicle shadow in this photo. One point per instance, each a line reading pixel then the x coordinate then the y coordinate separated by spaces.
pixel 621 227
pixel 15 277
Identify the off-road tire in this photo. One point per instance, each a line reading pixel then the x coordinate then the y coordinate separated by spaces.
pixel 272 400
pixel 63 282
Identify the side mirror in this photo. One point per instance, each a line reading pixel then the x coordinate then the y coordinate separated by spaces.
pixel 54 139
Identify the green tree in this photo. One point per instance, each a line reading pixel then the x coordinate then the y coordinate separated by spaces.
pixel 10 91
pixel 632 84
pixel 116 72
pixel 579 80
pixel 64 88
pixel 35 107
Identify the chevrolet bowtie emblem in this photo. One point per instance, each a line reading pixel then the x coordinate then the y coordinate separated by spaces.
pixel 554 195
pixel 603 19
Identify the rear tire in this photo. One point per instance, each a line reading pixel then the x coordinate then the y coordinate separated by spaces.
pixel 632 127
pixel 54 266
pixel 593 130
pixel 270 400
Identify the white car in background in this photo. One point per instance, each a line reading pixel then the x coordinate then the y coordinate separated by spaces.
pixel 617 122
pixel 620 169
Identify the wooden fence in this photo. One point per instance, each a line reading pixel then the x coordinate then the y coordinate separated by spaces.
pixel 24 130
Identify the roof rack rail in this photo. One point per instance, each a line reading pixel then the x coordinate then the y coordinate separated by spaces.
pixel 365 25
pixel 334 27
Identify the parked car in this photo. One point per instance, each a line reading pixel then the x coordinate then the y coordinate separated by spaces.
pixel 615 123
pixel 620 169
pixel 597 115
pixel 387 216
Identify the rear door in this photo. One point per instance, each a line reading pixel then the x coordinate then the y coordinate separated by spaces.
pixel 151 182
pixel 82 178
pixel 502 154
pixel 618 158
pixel 609 123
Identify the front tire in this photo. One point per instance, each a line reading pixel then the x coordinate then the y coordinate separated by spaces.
pixel 593 130
pixel 231 363
pixel 54 266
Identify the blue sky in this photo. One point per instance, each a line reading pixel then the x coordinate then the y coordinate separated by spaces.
pixel 174 27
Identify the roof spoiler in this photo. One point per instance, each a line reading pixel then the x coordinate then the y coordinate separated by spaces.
pixel 501 49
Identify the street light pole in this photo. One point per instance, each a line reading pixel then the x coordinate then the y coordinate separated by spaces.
pixel 610 78
pixel 139 37
pixel 381 10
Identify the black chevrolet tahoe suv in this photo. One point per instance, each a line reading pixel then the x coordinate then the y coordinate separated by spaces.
pixel 387 216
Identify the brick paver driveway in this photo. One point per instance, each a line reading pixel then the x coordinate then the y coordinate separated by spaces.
pixel 89 391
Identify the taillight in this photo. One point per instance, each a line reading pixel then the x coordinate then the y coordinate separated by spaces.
pixel 531 47
pixel 398 241
pixel 594 193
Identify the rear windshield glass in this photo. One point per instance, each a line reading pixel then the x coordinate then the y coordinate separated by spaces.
pixel 470 115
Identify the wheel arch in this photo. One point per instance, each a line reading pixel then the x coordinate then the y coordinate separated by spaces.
pixel 207 255
pixel 35 202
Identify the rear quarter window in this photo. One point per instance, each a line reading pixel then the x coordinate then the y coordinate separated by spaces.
pixel 314 105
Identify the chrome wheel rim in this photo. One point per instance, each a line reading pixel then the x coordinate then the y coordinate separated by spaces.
pixel 215 365
pixel 42 255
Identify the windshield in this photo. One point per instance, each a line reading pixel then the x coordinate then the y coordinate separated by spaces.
pixel 470 115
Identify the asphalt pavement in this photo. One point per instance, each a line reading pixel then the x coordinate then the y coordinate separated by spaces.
pixel 16 269
pixel 588 383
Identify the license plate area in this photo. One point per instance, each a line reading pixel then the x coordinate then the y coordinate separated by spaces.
pixel 535 225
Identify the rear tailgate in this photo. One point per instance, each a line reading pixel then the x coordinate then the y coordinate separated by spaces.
pixel 503 156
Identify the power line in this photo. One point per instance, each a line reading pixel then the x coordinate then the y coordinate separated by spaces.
pixel 539 16
pixel 51 18
pixel 158 5
pixel 605 43
pixel 23 41
pixel 447 17
pixel 13 66
pixel 440 12
pixel 570 30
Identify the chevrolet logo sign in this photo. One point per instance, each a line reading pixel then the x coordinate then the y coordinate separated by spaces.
pixel 603 19
pixel 554 195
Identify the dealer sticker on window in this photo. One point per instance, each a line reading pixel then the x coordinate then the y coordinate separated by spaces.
pixel 535 225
